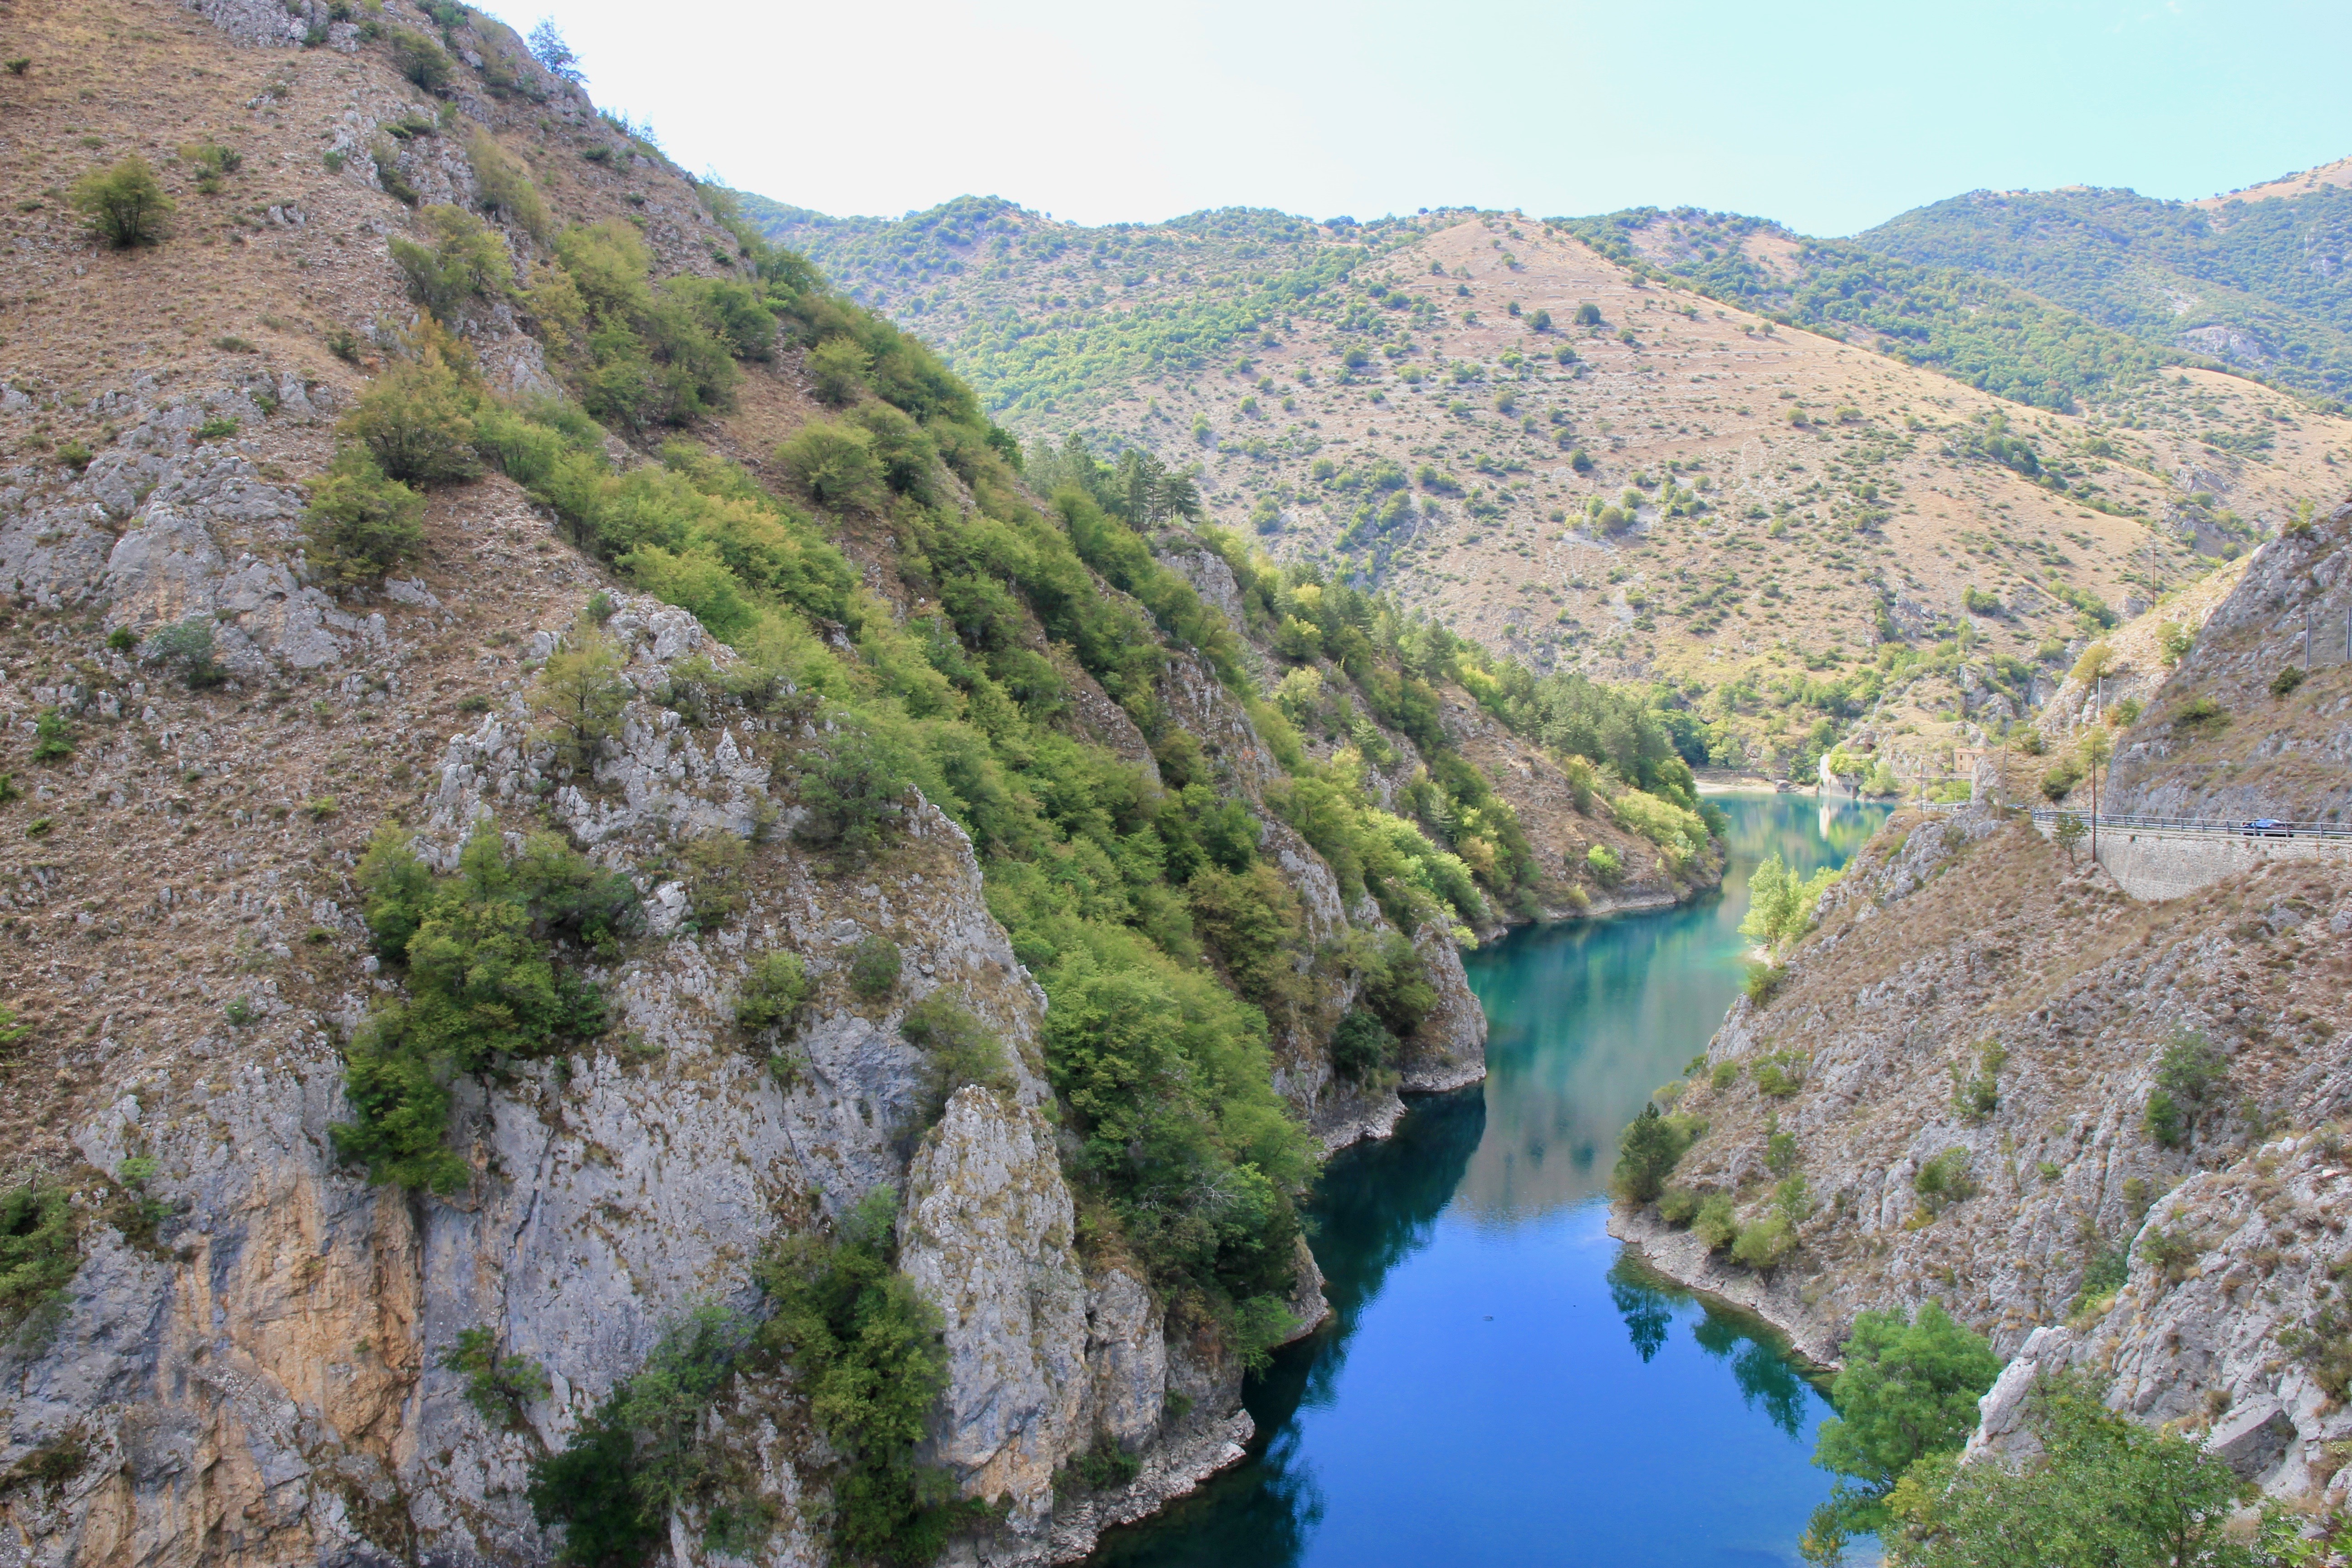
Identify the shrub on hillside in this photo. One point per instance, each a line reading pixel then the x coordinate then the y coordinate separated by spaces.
pixel 1361 1047
pixel 873 965
pixel 958 1049
pixel 639 356
pixel 775 987
pixel 462 259
pixel 835 461
pixel 417 419
pixel 186 646
pixel 421 60
pixel 2129 1493
pixel 123 203
pixel 643 1455
pixel 506 186
pixel 852 792
pixel 581 692
pixel 2190 1076
pixel 837 369
pixel 360 524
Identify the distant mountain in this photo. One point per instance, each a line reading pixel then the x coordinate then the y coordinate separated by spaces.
pixel 1676 487
pixel 2256 279
pixel 1956 322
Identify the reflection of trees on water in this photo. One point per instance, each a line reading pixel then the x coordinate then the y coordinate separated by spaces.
pixel 1586 1019
pixel 1375 1207
pixel 1760 1365
pixel 1648 1311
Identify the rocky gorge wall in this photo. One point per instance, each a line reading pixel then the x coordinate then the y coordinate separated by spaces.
pixel 251 1362
pixel 1966 1054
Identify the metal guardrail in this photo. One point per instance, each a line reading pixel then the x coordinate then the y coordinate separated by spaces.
pixel 2280 829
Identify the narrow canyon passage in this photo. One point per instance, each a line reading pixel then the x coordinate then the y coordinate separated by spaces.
pixel 1499 1384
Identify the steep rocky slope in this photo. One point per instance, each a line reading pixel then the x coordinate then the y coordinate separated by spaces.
pixel 225 1341
pixel 2111 1128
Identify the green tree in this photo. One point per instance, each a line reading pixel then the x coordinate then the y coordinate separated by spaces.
pixel 360 524
pixel 1908 1388
pixel 2068 833
pixel 1647 1153
pixel 123 203
pixel 1781 904
pixel 40 1248
pixel 462 259
pixel 418 420
pixel 2189 1078
pixel 581 693
pixel 2104 1492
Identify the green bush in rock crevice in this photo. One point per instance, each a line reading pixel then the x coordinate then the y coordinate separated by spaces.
pixel 479 951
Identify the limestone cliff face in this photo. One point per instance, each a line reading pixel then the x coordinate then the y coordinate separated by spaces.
pixel 2263 752
pixel 267 1381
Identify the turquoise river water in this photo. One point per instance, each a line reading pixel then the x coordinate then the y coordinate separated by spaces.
pixel 1499 1384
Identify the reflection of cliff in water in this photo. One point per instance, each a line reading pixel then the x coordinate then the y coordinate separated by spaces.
pixel 1374 1207
pixel 1635 989
pixel 1760 1362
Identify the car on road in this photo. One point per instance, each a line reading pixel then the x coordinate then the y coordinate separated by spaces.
pixel 2268 827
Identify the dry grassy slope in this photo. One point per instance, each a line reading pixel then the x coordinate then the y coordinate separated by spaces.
pixel 1950 932
pixel 1708 388
pixel 1715 392
pixel 171 837
pixel 1947 933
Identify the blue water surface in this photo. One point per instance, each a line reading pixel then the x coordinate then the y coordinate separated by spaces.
pixel 1500 1382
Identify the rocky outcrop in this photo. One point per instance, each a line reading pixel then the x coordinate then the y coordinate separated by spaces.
pixel 988 1238
pixel 1965 1055
pixel 2253 750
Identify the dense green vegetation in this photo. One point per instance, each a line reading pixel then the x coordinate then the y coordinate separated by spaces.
pixel 40 1248
pixel 867 1350
pixel 1908 1389
pixel 646 1452
pixel 1115 887
pixel 1057 321
pixel 481 950
pixel 2270 271
pixel 2104 1492
pixel 1945 317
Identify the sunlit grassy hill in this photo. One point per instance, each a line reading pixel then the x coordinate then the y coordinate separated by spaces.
pixel 1573 456
pixel 2254 280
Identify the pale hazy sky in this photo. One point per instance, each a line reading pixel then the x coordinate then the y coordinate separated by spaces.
pixel 1827 117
